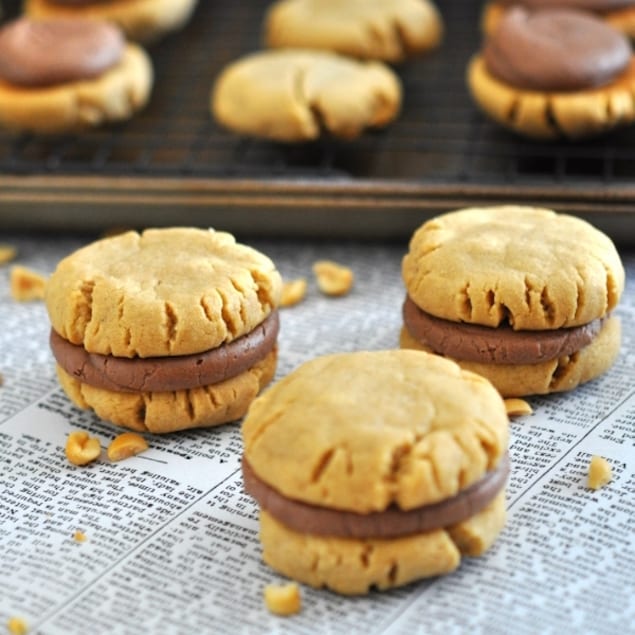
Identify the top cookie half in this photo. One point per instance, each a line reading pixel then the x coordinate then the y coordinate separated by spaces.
pixel 529 267
pixel 174 291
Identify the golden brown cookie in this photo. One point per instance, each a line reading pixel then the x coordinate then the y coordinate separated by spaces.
pixel 373 469
pixel 388 30
pixel 164 330
pixel 545 75
pixel 143 21
pixel 520 295
pixel 294 95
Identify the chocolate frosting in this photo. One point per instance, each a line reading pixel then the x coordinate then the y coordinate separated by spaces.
pixel 501 345
pixel 555 50
pixel 37 53
pixel 161 374
pixel 597 6
pixel 390 523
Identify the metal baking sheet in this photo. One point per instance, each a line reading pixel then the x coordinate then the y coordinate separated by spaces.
pixel 172 164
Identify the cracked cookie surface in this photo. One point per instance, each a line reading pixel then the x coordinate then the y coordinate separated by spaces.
pixel 299 95
pixel 389 30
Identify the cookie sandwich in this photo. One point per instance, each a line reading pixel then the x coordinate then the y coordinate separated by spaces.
pixel 375 469
pixel 388 30
pixel 60 76
pixel 520 295
pixel 620 14
pixel 165 330
pixel 291 95
pixel 143 21
pixel 554 73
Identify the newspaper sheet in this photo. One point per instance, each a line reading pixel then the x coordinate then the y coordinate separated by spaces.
pixel 172 539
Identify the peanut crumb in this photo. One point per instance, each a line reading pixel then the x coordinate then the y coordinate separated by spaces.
pixel 517 407
pixel 283 599
pixel 126 445
pixel 26 284
pixel 293 292
pixel 17 626
pixel 333 278
pixel 7 253
pixel 81 448
pixel 600 472
pixel 79 536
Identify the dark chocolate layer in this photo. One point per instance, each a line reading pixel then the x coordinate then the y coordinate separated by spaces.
pixel 555 50
pixel 390 523
pixel 161 374
pixel 38 53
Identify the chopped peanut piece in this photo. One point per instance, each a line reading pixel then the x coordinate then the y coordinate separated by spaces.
pixel 600 472
pixel 126 445
pixel 293 292
pixel 26 284
pixel 17 626
pixel 284 599
pixel 82 449
pixel 79 536
pixel 7 253
pixel 517 407
pixel 333 278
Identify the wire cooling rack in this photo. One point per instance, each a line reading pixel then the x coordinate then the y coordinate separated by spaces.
pixel 173 164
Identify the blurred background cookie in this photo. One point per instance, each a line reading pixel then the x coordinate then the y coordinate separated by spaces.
pixel 555 73
pixel 162 344
pixel 521 295
pixel 143 21
pixel 299 95
pixel 375 469
pixel 389 30
pixel 59 76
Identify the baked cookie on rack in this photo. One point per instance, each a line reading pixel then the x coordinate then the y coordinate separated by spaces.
pixel 554 73
pixel 169 329
pixel 375 469
pixel 388 30
pixel 299 95
pixel 618 13
pixel 143 21
pixel 520 295
pixel 59 76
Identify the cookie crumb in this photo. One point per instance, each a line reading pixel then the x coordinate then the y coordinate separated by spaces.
pixel 283 599
pixel 333 278
pixel 82 449
pixel 517 408
pixel 26 284
pixel 126 445
pixel 79 536
pixel 7 253
pixel 16 626
pixel 600 472
pixel 293 292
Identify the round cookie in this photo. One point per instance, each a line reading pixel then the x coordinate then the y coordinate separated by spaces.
pixel 299 95
pixel 620 14
pixel 554 73
pixel 60 76
pixel 374 469
pixel 144 21
pixel 388 30
pixel 520 295
pixel 169 329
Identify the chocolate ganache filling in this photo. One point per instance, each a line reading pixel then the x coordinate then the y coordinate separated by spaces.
pixel 555 50
pixel 500 345
pixel 597 6
pixel 161 374
pixel 393 522
pixel 40 53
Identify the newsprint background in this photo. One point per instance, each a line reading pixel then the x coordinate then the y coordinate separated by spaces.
pixel 172 544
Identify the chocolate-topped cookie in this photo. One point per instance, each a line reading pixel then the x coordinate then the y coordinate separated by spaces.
pixel 523 296
pixel 375 469
pixel 169 329
pixel 61 75
pixel 554 73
